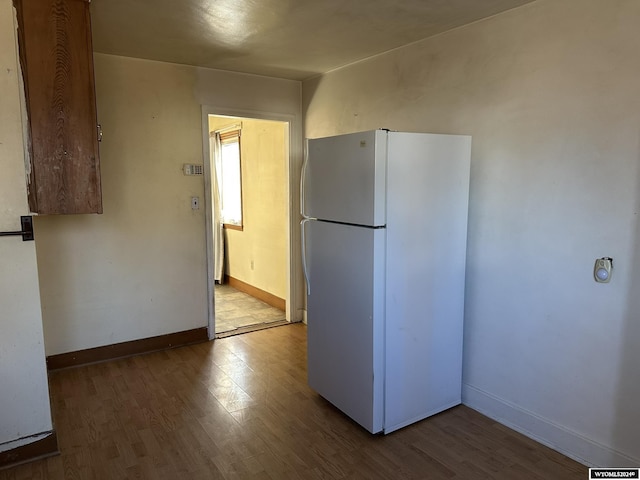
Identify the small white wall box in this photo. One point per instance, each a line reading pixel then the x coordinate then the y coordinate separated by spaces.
pixel 602 269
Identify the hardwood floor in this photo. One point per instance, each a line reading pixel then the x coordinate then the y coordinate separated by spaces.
pixel 240 408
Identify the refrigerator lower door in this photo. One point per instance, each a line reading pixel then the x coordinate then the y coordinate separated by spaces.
pixel 345 316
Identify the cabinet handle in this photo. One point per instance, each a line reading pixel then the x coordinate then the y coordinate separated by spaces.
pixel 99 132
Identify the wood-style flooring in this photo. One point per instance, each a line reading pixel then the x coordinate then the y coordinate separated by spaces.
pixel 240 408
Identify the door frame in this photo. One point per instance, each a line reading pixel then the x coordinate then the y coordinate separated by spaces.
pixel 294 307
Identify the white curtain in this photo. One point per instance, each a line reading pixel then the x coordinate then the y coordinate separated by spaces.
pixel 218 231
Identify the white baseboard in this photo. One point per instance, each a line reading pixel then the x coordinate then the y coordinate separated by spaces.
pixel 544 431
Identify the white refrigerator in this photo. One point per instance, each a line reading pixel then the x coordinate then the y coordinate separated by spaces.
pixel 384 235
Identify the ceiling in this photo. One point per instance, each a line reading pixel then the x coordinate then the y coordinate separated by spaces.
pixel 293 39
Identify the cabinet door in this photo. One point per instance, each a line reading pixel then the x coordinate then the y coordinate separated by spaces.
pixel 57 62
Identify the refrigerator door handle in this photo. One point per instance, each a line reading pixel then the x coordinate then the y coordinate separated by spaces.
pixel 303 249
pixel 303 174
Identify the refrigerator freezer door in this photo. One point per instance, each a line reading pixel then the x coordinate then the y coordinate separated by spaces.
pixel 345 319
pixel 346 178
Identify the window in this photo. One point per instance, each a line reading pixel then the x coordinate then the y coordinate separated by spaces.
pixel 230 183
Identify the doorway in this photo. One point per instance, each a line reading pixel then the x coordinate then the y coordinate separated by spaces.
pixel 248 222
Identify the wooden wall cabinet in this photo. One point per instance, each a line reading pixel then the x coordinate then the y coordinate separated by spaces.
pixel 56 55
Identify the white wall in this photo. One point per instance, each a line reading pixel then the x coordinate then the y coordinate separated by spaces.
pixel 139 269
pixel 550 94
pixel 24 391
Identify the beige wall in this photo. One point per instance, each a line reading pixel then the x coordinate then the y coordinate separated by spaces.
pixel 257 255
pixel 551 96
pixel 24 393
pixel 139 269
